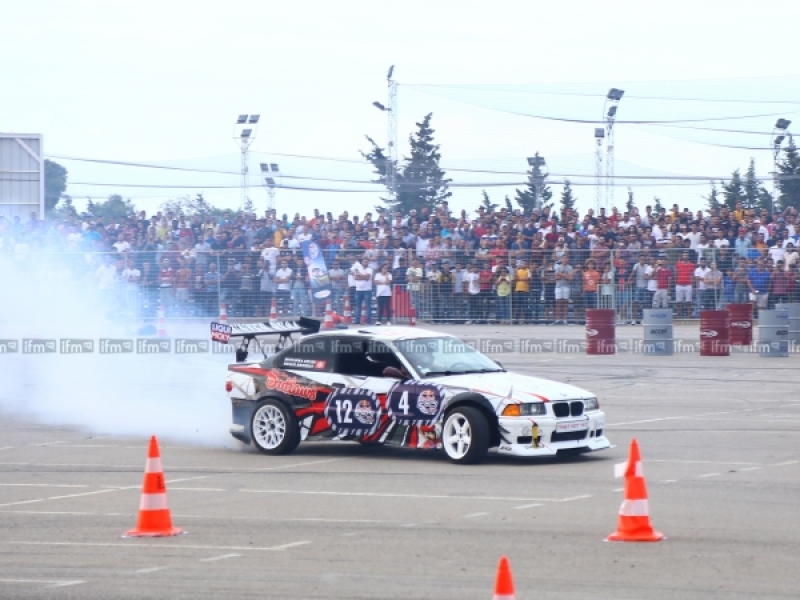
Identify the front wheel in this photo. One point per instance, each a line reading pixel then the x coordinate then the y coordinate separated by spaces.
pixel 274 428
pixel 466 435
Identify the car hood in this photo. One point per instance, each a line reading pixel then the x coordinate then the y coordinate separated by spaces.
pixel 518 387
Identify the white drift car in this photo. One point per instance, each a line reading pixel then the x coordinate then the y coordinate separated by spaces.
pixel 401 386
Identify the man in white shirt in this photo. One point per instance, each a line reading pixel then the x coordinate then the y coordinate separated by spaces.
pixel 283 287
pixel 693 236
pixel 414 278
pixel 130 276
pixel 363 275
pixel 699 277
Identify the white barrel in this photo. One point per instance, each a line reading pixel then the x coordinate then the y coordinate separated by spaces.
pixel 794 321
pixel 773 333
pixel 658 332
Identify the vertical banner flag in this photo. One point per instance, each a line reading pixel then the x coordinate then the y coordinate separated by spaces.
pixel 317 271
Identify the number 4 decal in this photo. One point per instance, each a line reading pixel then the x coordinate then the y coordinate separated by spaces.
pixel 403 403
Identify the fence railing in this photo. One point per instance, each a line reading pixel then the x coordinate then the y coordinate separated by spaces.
pixel 522 286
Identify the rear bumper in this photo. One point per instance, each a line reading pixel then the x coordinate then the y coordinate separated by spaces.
pixel 544 436
pixel 242 414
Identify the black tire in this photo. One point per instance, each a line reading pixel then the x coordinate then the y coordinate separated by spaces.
pixel 273 428
pixel 472 450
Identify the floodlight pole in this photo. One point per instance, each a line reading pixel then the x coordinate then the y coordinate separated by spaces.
pixel 599 135
pixel 269 171
pixel 609 116
pixel 779 133
pixel 391 134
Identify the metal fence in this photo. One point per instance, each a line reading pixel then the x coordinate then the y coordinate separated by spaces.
pixel 525 286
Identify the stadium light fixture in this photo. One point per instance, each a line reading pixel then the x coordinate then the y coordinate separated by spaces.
pixel 779 140
pixel 389 74
pixel 270 182
pixel 274 167
pixel 253 119
pixel 536 161
pixel 379 106
pixel 264 167
pixel 783 124
pixel 612 111
pixel 599 133
pixel 246 133
pixel 615 94
pixel 242 119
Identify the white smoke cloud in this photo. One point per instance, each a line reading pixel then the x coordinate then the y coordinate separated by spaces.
pixel 175 396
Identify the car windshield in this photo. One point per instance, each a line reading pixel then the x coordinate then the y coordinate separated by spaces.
pixel 445 356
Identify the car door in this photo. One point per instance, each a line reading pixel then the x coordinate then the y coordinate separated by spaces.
pixel 360 362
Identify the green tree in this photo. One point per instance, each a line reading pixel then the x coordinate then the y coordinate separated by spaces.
pixel 789 177
pixel 509 206
pixel 733 191
pixel 420 182
pixel 712 200
pixel 65 208
pixel 55 184
pixel 487 203
pixel 657 204
pixel 188 206
pixel 567 199
pixel 115 206
pixel 756 195
pixel 526 198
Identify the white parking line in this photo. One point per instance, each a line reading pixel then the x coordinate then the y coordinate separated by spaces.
pixel 750 469
pixel 783 464
pixel 668 481
pixel 708 475
pixel 223 557
pixel 150 570
pixel 699 462
pixel 415 496
pixel 145 545
pixel 48 582
pixel 55 485
pixel 527 506
pixel 715 414
pixel 6 448
pixel 478 514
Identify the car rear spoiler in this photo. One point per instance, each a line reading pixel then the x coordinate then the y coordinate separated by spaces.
pixel 222 332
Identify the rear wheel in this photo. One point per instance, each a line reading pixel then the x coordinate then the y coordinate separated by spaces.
pixel 466 435
pixel 274 428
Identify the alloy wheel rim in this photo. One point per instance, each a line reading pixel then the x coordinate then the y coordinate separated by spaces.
pixel 457 436
pixel 270 427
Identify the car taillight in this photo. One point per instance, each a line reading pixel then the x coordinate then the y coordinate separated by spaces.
pixel 228 386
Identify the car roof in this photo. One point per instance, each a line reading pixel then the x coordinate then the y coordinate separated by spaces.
pixel 388 332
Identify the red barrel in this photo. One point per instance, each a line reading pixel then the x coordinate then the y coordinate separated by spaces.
pixel 715 333
pixel 600 331
pixel 741 323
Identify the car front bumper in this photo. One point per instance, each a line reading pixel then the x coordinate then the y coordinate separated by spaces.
pixel 546 436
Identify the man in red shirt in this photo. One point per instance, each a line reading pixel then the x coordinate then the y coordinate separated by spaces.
pixel 663 274
pixel 684 274
pixel 485 280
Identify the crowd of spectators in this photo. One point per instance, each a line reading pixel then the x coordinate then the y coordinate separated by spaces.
pixel 488 265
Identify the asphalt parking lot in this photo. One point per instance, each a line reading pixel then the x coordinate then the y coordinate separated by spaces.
pixel 719 439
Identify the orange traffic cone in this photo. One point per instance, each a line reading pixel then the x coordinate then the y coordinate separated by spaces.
pixel 504 584
pixel 162 323
pixel 154 517
pixel 223 313
pixel 273 311
pixel 412 317
pixel 328 323
pixel 347 313
pixel 634 514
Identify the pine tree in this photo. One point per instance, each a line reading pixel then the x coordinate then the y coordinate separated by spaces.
pixel 567 199
pixel 55 183
pixel 526 198
pixel 713 198
pixel 756 195
pixel 657 205
pixel 733 191
pixel 789 174
pixel 630 205
pixel 509 206
pixel 420 182
pixel 488 204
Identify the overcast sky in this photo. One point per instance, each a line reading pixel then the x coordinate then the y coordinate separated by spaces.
pixel 162 82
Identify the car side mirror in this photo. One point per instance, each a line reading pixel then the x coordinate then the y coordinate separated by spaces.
pixel 499 364
pixel 393 372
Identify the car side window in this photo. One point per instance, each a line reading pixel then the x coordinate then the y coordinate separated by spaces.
pixel 307 355
pixel 362 358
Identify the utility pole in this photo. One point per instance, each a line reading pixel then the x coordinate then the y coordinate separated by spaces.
pixel 244 135
pixel 609 115
pixel 599 134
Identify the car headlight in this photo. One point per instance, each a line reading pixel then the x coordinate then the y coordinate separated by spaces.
pixel 590 404
pixel 524 410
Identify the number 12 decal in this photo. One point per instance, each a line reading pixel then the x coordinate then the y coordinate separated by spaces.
pixel 353 411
